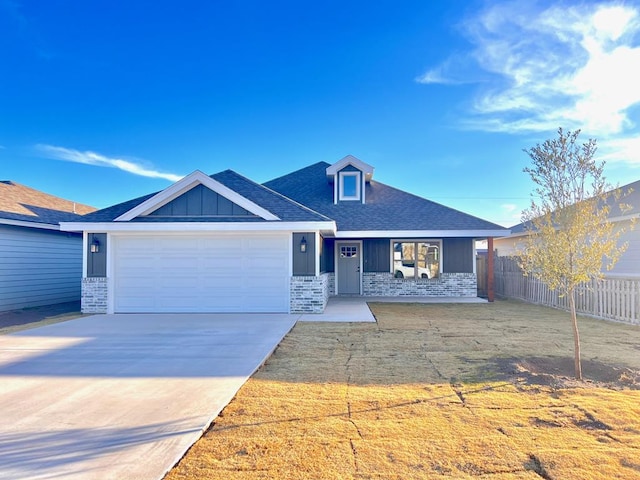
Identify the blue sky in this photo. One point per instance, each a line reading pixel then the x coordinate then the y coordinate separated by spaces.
pixel 104 101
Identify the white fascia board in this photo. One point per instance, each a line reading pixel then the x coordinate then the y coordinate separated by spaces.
pixel 186 184
pixel 421 233
pixel 22 223
pixel 622 218
pixel 186 227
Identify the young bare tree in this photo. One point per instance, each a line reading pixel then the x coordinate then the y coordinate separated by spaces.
pixel 570 239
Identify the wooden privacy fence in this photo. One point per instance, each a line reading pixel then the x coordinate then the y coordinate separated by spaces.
pixel 610 298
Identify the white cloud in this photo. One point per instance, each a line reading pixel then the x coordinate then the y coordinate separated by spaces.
pixel 452 71
pixel 512 212
pixel 575 66
pixel 509 207
pixel 92 158
pixel 620 150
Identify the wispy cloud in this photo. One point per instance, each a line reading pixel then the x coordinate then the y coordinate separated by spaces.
pixel 453 71
pixel 511 213
pixel 575 66
pixel 92 158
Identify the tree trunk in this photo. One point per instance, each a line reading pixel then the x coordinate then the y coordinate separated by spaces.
pixel 576 335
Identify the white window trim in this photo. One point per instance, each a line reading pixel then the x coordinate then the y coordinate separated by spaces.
pixel 341 176
pixel 417 240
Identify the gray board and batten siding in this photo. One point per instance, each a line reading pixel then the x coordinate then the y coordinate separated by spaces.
pixel 457 255
pixel 201 201
pixel 304 263
pixel 38 267
pixel 97 261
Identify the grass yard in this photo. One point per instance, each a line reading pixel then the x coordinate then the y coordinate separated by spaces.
pixel 434 391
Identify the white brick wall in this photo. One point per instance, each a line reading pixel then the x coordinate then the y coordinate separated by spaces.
pixel 309 294
pixel 94 295
pixel 446 285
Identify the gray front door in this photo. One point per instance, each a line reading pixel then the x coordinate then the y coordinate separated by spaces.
pixel 348 269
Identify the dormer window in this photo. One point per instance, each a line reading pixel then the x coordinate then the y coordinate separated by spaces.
pixel 349 177
pixel 349 185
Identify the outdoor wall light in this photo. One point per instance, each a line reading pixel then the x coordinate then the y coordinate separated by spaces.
pixel 95 245
pixel 303 245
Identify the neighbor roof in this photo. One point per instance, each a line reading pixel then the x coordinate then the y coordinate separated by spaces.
pixel 284 208
pixel 19 203
pixel 386 208
pixel 630 196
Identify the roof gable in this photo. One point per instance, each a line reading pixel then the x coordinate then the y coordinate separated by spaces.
pixel 365 168
pixel 181 187
pixel 201 201
pixel 284 208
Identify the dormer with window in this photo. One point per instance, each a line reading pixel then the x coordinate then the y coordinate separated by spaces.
pixel 349 177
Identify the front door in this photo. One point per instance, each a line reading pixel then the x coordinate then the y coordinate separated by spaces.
pixel 349 269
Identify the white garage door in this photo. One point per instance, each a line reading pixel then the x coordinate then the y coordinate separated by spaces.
pixel 201 273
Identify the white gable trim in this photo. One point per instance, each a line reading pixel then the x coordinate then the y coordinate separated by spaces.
pixel 365 168
pixel 186 184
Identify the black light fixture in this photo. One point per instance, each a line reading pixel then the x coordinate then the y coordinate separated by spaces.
pixel 303 245
pixel 95 245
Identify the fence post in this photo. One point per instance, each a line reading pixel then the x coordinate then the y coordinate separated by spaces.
pixel 490 279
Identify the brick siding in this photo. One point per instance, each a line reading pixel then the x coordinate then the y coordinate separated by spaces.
pixel 309 294
pixel 94 295
pixel 446 285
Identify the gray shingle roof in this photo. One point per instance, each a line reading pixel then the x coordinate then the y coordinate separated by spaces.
pixel 284 208
pixel 630 197
pixel 386 208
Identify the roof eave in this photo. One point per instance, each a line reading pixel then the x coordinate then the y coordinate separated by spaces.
pixel 23 223
pixel 189 227
pixel 421 233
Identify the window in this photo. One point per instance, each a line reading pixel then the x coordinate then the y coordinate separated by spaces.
pixel 348 251
pixel 349 185
pixel 416 258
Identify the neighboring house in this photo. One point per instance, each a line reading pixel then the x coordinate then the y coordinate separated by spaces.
pixel 223 243
pixel 39 264
pixel 629 263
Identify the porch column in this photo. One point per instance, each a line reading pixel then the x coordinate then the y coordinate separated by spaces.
pixel 490 269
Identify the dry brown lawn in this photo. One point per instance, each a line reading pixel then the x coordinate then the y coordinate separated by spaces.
pixel 434 391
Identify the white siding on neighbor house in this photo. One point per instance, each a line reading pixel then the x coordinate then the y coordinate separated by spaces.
pixel 627 266
pixel 629 263
pixel 201 273
pixel 506 246
pixel 38 267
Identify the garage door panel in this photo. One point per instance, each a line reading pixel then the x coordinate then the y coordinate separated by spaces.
pixel 226 263
pixel 201 274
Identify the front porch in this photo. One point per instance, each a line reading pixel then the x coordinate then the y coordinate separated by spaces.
pixel 356 309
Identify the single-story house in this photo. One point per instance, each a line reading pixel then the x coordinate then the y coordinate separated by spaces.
pixel 223 243
pixel 39 264
pixel 629 263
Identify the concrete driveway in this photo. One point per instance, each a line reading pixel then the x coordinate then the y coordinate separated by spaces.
pixel 122 396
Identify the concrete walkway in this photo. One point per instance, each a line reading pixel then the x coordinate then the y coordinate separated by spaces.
pixel 122 396
pixel 356 309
